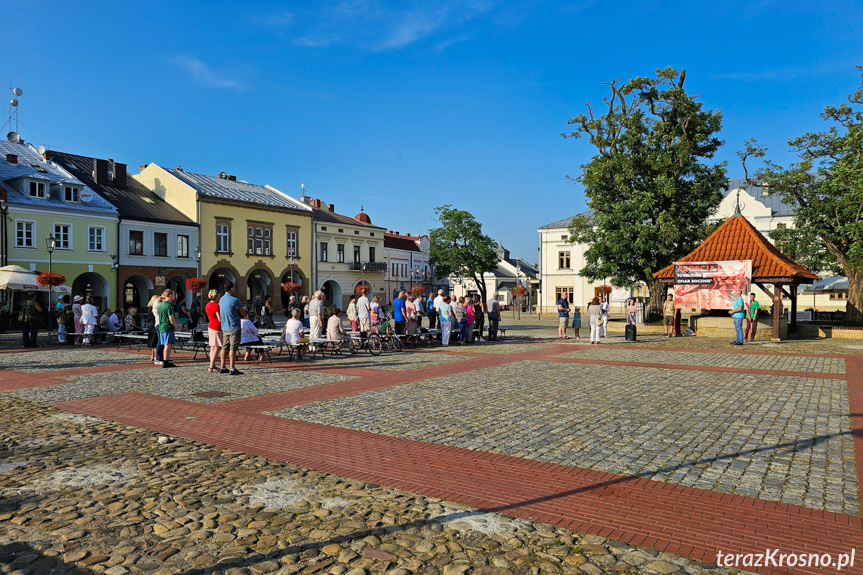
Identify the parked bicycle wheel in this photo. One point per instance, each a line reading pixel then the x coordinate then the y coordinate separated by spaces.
pixel 396 342
pixel 374 344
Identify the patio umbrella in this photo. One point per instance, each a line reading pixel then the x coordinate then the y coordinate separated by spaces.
pixel 18 278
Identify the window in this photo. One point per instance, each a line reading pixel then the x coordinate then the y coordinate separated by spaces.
pixel 563 260
pixel 371 255
pixel 136 243
pixel 37 189
pixel 340 253
pixel 563 292
pixel 356 232
pixel 63 236
pixel 292 243
pixel 182 246
pixel 96 239
pixel 223 238
pixel 323 251
pixel 24 234
pixel 341 230
pixel 394 270
pixel 564 238
pixel 71 194
pixel 160 244
pixel 258 240
pixel 356 254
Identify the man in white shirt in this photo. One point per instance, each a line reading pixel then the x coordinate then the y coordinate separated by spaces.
pixel 114 321
pixel 89 319
pixel 364 312
pixel 316 315
pixel 439 299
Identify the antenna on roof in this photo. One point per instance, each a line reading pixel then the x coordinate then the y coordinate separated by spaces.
pixel 40 150
pixel 13 137
pixel 737 204
pixel 13 107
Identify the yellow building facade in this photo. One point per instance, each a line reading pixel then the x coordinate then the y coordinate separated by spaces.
pixel 255 236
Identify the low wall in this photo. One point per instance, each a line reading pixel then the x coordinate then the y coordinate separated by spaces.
pixel 828 331
pixel 724 327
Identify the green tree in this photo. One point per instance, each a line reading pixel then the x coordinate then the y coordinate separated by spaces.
pixel 649 186
pixel 826 187
pixel 459 248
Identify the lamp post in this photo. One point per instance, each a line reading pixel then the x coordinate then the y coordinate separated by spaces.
pixel 198 259
pixel 363 268
pixel 51 243
pixel 518 297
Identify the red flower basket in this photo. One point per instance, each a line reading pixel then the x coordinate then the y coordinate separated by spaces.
pixel 417 290
pixel 50 279
pixel 196 284
pixel 357 290
pixel 290 287
pixel 518 290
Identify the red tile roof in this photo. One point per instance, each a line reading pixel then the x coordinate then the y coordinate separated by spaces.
pixel 737 239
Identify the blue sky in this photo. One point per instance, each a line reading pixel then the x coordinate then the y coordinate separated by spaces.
pixel 405 106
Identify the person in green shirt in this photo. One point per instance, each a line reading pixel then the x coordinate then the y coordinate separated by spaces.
pixel 752 317
pixel 167 326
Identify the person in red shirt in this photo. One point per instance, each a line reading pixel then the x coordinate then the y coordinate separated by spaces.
pixel 214 330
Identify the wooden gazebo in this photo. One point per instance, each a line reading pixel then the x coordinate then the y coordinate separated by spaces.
pixel 737 239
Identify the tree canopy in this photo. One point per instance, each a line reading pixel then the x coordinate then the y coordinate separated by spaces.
pixel 459 248
pixel 649 185
pixel 826 187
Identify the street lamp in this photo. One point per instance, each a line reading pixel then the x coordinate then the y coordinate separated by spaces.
pixel 198 259
pixel 51 243
pixel 363 268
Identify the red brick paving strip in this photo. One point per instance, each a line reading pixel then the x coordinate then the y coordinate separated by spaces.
pixel 663 516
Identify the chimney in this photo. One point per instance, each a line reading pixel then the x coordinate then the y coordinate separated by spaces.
pixel 100 172
pixel 331 207
pixel 232 178
pixel 119 175
pixel 12 158
pixel 306 199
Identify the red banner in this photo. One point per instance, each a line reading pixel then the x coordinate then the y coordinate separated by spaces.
pixel 710 285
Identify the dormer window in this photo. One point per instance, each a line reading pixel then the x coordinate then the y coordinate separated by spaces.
pixel 37 189
pixel 71 194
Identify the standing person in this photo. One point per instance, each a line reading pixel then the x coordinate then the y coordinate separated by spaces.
pixel 605 309
pixel 738 312
pixel 594 316
pixel 76 319
pixel 493 307
pixel 631 312
pixel 445 310
pixel 352 313
pixel 576 321
pixel 411 315
pixel 431 312
pixel 420 308
pixel 153 330
pixel 30 311
pixel 668 315
pixel 306 320
pixel 167 326
pixel 752 318
pixel 259 308
pixel 267 313
pixel 375 310
pixel 63 318
pixel 399 313
pixel 479 312
pixel 316 315
pixel 562 317
pixel 214 330
pixel 89 320
pixel 470 315
pixel 195 311
pixel 229 310
pixel 364 317
pixel 461 319
pixel 182 312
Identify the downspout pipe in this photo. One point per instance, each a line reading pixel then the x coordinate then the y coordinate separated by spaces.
pixel 120 298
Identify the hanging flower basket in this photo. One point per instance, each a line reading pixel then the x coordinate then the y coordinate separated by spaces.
pixel 196 284
pixel 417 290
pixel 359 288
pixel 290 287
pixel 606 290
pixel 50 279
pixel 518 290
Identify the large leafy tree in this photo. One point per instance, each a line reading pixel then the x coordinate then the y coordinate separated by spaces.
pixel 459 248
pixel 826 187
pixel 649 185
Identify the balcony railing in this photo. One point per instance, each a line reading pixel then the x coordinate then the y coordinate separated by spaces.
pixel 370 266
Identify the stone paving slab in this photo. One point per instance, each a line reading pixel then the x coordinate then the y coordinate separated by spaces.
pixel 391 361
pixel 741 360
pixel 85 495
pixel 53 359
pixel 181 383
pixel 776 438
pixel 492 348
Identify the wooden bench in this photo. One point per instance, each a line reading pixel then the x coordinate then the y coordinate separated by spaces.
pixel 321 345
pixel 261 349
pixel 131 338
pixel 102 336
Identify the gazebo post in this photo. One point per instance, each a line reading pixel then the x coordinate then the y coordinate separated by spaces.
pixel 792 325
pixel 777 311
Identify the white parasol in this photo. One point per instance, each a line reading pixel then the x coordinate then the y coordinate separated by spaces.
pixel 21 279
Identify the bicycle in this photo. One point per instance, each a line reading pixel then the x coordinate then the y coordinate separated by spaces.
pixel 371 342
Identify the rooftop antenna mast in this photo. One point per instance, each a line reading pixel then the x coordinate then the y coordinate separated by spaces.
pixel 13 107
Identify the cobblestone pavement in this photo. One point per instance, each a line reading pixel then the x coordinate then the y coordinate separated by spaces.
pixel 792 442
pixel 750 361
pixel 394 361
pixel 53 359
pixel 82 495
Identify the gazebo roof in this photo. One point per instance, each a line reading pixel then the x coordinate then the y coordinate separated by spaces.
pixel 737 239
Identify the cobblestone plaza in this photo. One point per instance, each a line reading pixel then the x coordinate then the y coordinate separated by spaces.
pixel 644 457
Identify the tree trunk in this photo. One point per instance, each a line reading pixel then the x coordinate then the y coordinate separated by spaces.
pixel 657 297
pixel 854 307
